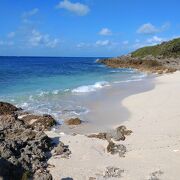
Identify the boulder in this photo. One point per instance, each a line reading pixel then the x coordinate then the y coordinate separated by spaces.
pixel 44 122
pixel 7 108
pixel 120 133
pixel 62 150
pixel 73 121
pixel 116 149
pixel 22 146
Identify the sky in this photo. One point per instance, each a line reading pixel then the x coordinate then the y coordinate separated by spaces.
pixel 93 28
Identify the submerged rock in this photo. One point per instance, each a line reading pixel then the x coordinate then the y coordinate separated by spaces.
pixel 73 121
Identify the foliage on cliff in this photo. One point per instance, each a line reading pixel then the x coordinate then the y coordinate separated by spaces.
pixel 166 49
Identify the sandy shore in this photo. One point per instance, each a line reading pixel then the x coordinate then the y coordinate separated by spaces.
pixel 153 150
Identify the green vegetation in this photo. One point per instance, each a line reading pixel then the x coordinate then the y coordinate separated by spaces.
pixel 165 49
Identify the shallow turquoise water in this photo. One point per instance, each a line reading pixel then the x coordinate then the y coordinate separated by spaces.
pixel 45 84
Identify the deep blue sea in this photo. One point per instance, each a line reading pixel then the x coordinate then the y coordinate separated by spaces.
pixel 43 84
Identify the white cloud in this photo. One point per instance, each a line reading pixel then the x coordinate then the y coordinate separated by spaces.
pixel 36 39
pixel 105 32
pixel 77 8
pixel 155 40
pixel 102 43
pixel 147 28
pixel 11 34
pixel 30 13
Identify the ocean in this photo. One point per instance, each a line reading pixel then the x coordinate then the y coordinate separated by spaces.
pixel 47 84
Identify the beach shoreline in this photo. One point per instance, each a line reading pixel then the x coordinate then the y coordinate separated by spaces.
pixel 105 106
pixel 152 149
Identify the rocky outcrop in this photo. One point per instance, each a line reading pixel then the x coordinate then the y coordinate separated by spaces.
pixel 37 122
pixel 73 121
pixel 7 108
pixel 146 64
pixel 24 147
pixel 10 171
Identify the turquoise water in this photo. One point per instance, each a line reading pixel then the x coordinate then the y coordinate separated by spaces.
pixel 46 84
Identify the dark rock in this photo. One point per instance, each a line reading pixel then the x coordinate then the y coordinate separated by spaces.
pixel 113 172
pixel 9 171
pixel 120 133
pixel 24 147
pixel 73 121
pixel 146 64
pixel 116 149
pixel 7 108
pixel 44 122
pixel 62 150
pixel 99 136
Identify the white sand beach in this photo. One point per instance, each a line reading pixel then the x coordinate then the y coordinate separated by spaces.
pixel 153 149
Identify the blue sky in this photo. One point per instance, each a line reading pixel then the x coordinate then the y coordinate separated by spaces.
pixel 85 27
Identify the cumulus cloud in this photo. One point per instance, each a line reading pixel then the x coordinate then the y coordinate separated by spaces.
pixel 36 39
pixel 30 13
pixel 102 43
pixel 76 8
pixel 155 40
pixel 147 28
pixel 105 32
pixel 11 34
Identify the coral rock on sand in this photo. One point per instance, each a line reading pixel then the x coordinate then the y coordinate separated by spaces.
pixel 73 121
pixel 44 122
pixel 7 108
pixel 99 136
pixel 21 146
pixel 116 149
pixel 62 149
pixel 120 133
pixel 113 172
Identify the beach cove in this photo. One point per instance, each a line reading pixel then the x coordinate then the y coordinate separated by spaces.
pixel 152 149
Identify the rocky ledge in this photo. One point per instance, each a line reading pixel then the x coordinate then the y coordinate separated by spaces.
pixel 24 147
pixel 161 58
pixel 145 64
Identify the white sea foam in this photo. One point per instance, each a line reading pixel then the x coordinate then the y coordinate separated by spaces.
pixel 55 92
pixel 90 88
